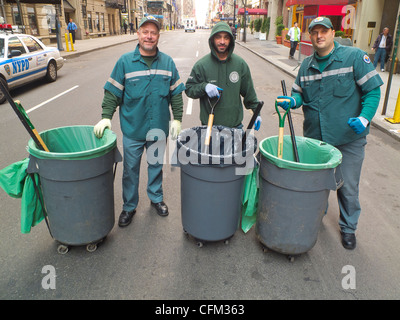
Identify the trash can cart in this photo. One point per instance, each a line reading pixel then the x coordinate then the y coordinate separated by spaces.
pixel 77 183
pixel 293 196
pixel 212 181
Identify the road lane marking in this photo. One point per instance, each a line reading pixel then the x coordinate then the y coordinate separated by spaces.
pixel 51 99
pixel 189 106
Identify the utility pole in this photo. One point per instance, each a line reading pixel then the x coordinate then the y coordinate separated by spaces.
pixel 389 83
pixel 234 16
pixel 244 21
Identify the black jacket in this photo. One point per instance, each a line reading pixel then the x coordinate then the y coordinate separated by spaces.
pixel 389 43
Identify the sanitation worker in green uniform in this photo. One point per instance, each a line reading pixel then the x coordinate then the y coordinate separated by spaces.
pixel 143 84
pixel 338 88
pixel 223 71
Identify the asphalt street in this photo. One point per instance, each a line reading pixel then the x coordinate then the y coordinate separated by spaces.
pixel 153 259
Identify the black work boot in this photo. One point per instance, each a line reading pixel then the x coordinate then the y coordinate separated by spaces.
pixel 125 218
pixel 161 208
pixel 348 240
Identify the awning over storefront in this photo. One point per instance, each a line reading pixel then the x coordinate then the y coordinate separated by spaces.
pixel 253 12
pixel 320 2
pixel 68 7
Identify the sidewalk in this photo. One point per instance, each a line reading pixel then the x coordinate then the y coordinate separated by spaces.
pixel 277 55
pixel 271 52
pixel 89 45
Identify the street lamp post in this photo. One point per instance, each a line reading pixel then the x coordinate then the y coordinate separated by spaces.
pixel 244 21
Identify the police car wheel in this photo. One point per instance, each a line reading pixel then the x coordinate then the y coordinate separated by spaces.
pixel 2 96
pixel 51 74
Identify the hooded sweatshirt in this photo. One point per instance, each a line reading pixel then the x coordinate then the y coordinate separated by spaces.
pixel 232 75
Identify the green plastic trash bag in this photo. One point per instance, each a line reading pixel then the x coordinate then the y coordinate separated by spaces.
pixel 250 200
pixel 73 143
pixel 17 183
pixel 314 154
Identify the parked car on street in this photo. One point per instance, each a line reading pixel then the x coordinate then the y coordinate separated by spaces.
pixel 24 58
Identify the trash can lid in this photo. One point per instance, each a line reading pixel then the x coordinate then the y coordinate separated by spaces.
pixel 73 143
pixel 313 154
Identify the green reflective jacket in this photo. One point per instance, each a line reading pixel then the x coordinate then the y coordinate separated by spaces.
pixel 145 92
pixel 334 95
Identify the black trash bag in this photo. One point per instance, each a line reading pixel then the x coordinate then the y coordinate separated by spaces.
pixel 225 148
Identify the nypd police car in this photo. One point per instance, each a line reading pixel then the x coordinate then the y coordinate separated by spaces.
pixel 24 58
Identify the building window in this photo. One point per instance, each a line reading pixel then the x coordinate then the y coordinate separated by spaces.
pixel 50 19
pixel 32 20
pixel 97 22
pixel 89 15
pixel 103 23
pixel 16 16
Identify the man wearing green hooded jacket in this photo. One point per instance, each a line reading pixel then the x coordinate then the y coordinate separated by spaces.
pixel 222 71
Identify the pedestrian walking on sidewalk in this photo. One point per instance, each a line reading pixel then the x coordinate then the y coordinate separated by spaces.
pixel 219 70
pixel 71 29
pixel 294 34
pixel 382 46
pixel 338 88
pixel 143 84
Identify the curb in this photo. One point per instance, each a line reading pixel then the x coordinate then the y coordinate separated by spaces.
pixel 79 53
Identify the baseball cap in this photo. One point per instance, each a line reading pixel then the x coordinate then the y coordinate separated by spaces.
pixel 151 19
pixel 323 21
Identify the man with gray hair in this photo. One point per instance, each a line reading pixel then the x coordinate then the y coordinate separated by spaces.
pixel 143 84
pixel 382 46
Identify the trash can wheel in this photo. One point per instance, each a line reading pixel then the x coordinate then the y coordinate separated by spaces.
pixel 91 247
pixel 199 243
pixel 62 249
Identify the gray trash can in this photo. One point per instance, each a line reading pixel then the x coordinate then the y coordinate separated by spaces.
pixel 212 181
pixel 293 196
pixel 77 183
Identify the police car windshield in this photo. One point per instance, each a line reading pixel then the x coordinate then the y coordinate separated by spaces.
pixel 1 48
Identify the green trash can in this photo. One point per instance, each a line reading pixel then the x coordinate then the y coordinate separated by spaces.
pixel 77 182
pixel 293 196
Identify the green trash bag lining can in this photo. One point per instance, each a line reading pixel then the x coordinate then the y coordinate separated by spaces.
pixel 73 142
pixel 313 154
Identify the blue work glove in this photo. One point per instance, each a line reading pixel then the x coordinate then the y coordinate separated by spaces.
pixel 212 90
pixel 285 104
pixel 257 123
pixel 358 124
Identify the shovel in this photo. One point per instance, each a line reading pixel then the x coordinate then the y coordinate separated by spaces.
pixel 252 121
pixel 281 126
pixel 19 110
pixel 211 120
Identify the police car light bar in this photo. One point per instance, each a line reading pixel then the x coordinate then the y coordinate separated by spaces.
pixel 5 26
